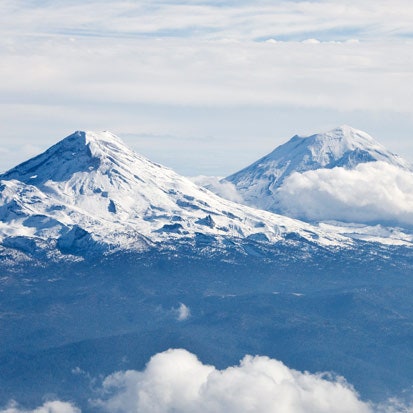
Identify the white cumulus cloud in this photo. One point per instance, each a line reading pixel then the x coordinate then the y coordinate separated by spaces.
pixel 372 192
pixel 183 312
pixel 48 407
pixel 176 381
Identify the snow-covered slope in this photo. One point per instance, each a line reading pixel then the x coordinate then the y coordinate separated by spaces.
pixel 91 192
pixel 341 147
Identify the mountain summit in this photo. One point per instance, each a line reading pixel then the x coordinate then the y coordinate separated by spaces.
pixel 81 152
pixel 341 147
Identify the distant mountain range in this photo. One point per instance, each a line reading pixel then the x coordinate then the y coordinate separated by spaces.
pixel 90 194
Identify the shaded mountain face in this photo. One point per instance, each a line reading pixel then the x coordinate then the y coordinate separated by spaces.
pixel 91 193
pixel 341 147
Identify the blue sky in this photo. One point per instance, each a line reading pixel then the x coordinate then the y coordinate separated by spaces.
pixel 205 87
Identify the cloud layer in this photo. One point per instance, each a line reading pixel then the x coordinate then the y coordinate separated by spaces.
pixel 373 192
pixel 176 381
pixel 210 19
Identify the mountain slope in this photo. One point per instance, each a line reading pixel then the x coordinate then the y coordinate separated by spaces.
pixel 89 192
pixel 341 147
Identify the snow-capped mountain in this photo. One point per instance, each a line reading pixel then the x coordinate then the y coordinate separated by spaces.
pixel 341 147
pixel 91 192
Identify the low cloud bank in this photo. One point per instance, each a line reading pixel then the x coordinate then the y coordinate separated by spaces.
pixel 224 189
pixel 372 192
pixel 176 381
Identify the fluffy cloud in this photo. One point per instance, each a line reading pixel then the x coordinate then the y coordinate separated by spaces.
pixel 176 381
pixel 224 189
pixel 48 407
pixel 183 312
pixel 370 193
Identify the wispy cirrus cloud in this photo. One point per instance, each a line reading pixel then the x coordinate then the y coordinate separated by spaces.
pixel 244 20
